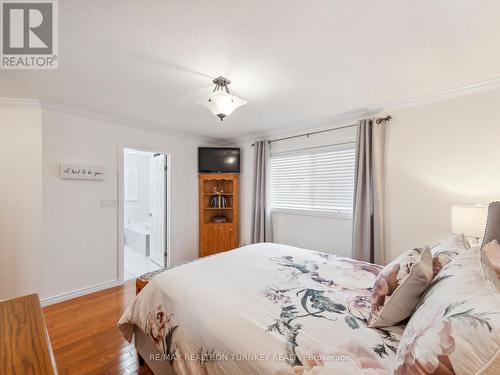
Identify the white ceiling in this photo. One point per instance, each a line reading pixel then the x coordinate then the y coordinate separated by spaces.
pixel 295 62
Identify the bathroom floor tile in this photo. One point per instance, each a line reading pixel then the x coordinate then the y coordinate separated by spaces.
pixel 137 264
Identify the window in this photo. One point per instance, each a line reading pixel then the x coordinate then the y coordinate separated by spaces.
pixel 316 181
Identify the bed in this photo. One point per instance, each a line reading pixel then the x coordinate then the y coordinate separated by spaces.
pixel 261 309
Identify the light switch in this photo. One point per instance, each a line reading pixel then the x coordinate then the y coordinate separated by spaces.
pixel 108 203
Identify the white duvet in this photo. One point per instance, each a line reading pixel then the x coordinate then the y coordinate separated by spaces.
pixel 264 309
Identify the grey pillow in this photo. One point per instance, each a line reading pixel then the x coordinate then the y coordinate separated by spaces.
pixel 399 286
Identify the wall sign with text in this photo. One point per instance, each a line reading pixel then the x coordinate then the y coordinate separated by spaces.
pixel 81 172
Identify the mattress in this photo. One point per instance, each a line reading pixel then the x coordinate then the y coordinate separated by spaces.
pixel 266 309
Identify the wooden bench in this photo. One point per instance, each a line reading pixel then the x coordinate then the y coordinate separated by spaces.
pixel 143 280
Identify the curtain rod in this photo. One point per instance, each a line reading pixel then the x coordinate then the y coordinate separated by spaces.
pixel 378 121
pixel 315 147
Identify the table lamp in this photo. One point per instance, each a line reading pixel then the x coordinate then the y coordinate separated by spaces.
pixel 469 220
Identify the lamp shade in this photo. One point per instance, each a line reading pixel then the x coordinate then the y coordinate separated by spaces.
pixel 469 220
pixel 222 103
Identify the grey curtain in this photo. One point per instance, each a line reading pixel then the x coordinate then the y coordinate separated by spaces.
pixel 262 230
pixel 368 218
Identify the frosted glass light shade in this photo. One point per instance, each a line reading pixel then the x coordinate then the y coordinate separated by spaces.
pixel 469 220
pixel 221 103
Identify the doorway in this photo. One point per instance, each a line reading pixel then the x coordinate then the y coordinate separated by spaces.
pixel 145 178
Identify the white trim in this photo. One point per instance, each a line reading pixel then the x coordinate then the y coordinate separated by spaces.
pixel 354 115
pixel 121 196
pixel 454 92
pixel 164 129
pixel 78 293
pixel 19 102
pixel 344 117
pixel 333 214
pixel 156 128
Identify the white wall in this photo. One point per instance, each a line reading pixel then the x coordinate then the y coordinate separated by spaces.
pixel 439 154
pixel 80 237
pixel 328 234
pixel 137 211
pixel 20 199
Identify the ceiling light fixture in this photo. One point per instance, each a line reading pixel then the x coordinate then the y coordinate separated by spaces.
pixel 220 102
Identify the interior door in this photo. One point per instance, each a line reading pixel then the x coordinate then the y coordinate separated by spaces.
pixel 157 209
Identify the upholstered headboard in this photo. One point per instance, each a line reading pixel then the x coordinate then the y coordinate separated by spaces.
pixel 493 223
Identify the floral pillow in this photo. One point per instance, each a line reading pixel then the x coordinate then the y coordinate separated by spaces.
pixel 399 287
pixel 446 250
pixel 456 327
pixel 492 252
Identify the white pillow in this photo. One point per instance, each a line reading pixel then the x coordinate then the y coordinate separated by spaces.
pixel 446 250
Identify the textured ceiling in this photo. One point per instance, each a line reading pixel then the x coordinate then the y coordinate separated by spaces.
pixel 295 62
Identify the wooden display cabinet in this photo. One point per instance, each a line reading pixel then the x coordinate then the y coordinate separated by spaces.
pixel 218 200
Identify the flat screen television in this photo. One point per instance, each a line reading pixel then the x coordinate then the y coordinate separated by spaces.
pixel 218 160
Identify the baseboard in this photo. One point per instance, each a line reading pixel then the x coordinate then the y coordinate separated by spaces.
pixel 78 293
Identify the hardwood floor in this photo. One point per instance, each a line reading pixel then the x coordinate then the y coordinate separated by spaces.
pixel 84 336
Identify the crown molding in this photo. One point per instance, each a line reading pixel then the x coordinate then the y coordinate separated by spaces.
pixel 319 124
pixel 51 106
pixel 354 115
pixel 455 92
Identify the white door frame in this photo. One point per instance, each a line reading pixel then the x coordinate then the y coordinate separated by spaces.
pixel 121 199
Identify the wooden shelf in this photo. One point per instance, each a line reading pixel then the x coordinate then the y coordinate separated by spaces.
pixel 218 237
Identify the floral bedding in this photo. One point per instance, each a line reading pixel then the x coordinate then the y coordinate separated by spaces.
pixel 456 327
pixel 265 309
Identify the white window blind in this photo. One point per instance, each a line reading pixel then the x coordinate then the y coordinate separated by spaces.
pixel 319 180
